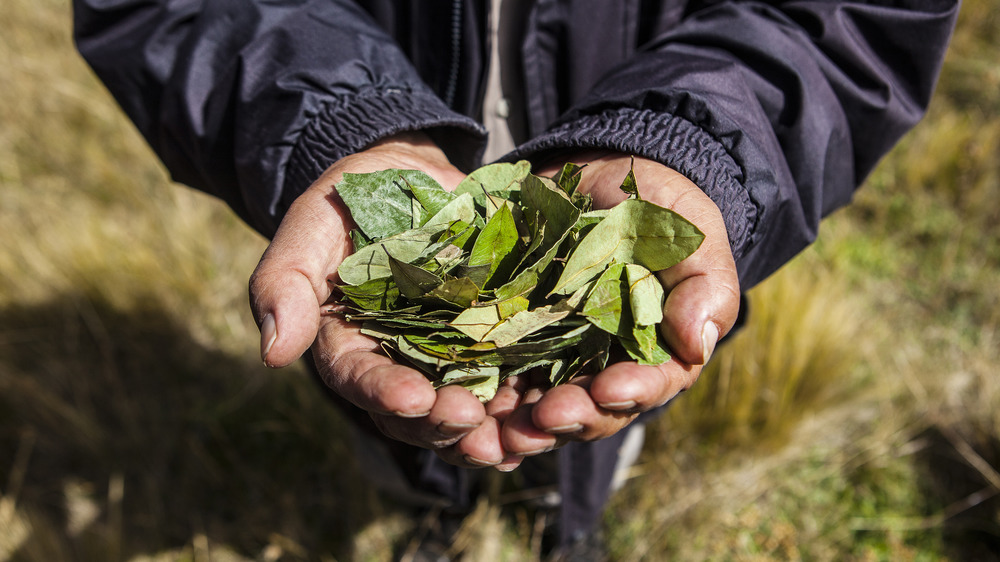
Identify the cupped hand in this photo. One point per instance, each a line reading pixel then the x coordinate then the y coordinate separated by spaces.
pixel 293 283
pixel 702 303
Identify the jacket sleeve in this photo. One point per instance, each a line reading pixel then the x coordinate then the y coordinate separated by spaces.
pixel 777 110
pixel 252 100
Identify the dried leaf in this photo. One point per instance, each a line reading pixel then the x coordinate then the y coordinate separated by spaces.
pixel 495 245
pixel 413 282
pixel 477 321
pixel 494 179
pixel 635 231
pixel 461 292
pixel 372 262
pixel 629 184
pixel 375 294
pixel 645 294
pixel 604 305
pixel 525 323
pixel 380 202
pixel 646 346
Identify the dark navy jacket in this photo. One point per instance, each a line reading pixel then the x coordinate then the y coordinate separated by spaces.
pixel 777 109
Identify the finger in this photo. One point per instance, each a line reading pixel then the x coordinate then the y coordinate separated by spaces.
pixel 354 367
pixel 291 281
pixel 508 396
pixel 632 388
pixel 480 448
pixel 570 412
pixel 703 295
pixel 521 437
pixel 703 290
pixel 456 414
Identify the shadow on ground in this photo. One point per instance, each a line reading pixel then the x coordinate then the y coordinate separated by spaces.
pixel 121 435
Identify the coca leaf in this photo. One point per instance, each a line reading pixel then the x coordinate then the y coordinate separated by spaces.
pixel 413 281
pixel 380 202
pixel 635 231
pixel 645 295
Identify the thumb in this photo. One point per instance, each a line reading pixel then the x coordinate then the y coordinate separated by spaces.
pixel 291 283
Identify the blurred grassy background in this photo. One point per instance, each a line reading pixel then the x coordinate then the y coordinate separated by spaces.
pixel 856 418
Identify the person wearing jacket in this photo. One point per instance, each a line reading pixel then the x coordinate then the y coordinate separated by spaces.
pixel 753 119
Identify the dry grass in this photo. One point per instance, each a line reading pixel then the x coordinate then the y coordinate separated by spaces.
pixel 855 418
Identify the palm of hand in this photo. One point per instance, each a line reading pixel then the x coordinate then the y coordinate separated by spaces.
pixel 293 281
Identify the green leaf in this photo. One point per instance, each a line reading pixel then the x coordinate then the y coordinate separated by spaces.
pixel 494 179
pixel 359 239
pixel 432 197
pixel 477 321
pixel 418 357
pixel 461 208
pixel 413 282
pixel 495 244
pixel 604 305
pixel 635 231
pixel 509 307
pixel 547 203
pixel 372 262
pixel 645 295
pixel 380 202
pixel 375 294
pixel 557 214
pixel 568 177
pixel 525 323
pixel 461 292
pixel 646 346
pixel 629 184
pixel 482 381
pixel 550 347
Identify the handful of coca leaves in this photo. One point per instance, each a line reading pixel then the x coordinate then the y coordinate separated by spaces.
pixel 509 272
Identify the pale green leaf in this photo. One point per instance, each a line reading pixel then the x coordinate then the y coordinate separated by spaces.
pixel 380 202
pixel 605 304
pixel 477 321
pixel 461 292
pixel 494 178
pixel 460 208
pixel 481 381
pixel 629 184
pixel 556 216
pixel 645 294
pixel 509 307
pixel 432 197
pixel 635 231
pixel 568 177
pixel 376 294
pixel 527 322
pixel 413 281
pixel 495 245
pixel 646 346
pixel 372 261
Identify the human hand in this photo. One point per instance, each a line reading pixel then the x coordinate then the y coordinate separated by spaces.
pixel 293 282
pixel 702 304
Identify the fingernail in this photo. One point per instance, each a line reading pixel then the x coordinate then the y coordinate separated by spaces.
pixel 479 462
pixel 539 451
pixel 571 428
pixel 409 415
pixel 451 428
pixel 709 337
pixel 268 333
pixel 626 405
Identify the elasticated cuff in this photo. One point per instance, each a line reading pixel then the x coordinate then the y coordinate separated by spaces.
pixel 670 140
pixel 348 125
